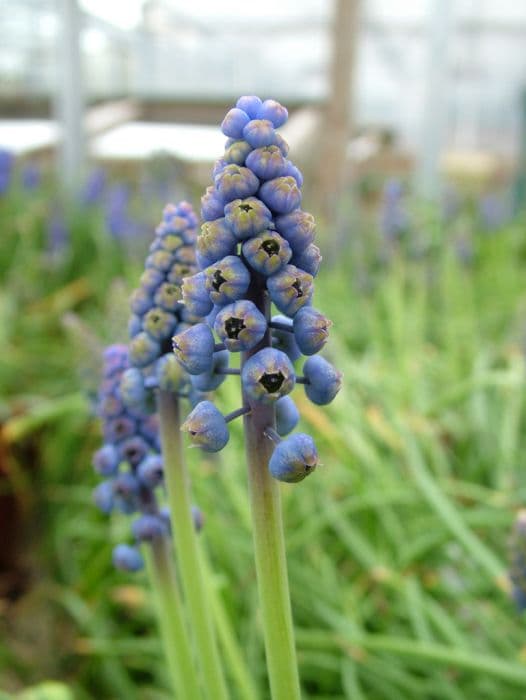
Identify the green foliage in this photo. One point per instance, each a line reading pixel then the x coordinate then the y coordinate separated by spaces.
pixel 396 546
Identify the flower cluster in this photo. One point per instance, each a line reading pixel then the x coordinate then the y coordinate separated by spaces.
pixel 518 561
pixel 256 247
pixel 157 311
pixel 129 462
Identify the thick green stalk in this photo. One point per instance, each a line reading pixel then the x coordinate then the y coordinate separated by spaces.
pixel 269 543
pixel 185 541
pixel 176 641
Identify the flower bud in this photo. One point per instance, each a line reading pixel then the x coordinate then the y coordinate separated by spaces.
pixel 287 415
pixel 298 228
pixel 127 558
pixel 227 280
pixel 290 289
pixel 106 460
pixel 267 162
pixel 143 349
pixel 194 348
pixel 240 326
pixel 282 194
pixel 259 133
pixel 236 182
pixel 151 471
pixel 294 458
pixel 207 427
pixel 148 528
pixel 215 242
pixel 247 217
pixel 311 330
pixel 267 253
pixel 324 381
pixel 267 376
pixel 195 295
pixel 210 380
pixel 309 260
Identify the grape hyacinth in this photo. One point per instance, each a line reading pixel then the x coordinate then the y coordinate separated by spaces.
pixel 129 463
pixel 256 249
pixel 156 378
pixel 132 469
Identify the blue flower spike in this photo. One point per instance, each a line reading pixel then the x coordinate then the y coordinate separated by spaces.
pixel 256 245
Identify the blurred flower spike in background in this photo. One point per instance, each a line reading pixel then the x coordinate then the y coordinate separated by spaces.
pixel 256 249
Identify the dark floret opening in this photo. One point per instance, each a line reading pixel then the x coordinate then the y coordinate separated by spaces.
pixel 308 467
pixel 192 433
pixel 233 327
pixel 272 382
pixel 217 280
pixel 270 247
pixel 120 427
pixel 171 289
pixel 245 207
pixel 297 286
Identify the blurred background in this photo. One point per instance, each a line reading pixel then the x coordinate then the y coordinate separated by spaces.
pixel 408 121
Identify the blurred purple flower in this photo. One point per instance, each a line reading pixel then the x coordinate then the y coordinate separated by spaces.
pixel 394 219
pixel 7 160
pixel 57 233
pixel 94 187
pixel 493 211
pixel 31 177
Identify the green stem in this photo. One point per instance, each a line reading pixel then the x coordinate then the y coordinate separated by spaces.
pixel 185 541
pixel 269 543
pixel 176 641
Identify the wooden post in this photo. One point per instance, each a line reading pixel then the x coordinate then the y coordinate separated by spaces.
pixel 337 122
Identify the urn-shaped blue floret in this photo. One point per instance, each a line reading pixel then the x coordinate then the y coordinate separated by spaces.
pixel 311 330
pixel 125 491
pixel 324 381
pixel 234 123
pixel 290 289
pixel 274 112
pixel 240 326
pixel 298 228
pixel 169 374
pixel 207 427
pixel 147 528
pixel 259 133
pixel 168 296
pixel 237 152
pixel 195 295
pixel 247 217
pixel 209 381
pixel 227 280
pixel 309 260
pixel 215 241
pixel 294 458
pixel 287 415
pixel 127 558
pixel 132 389
pixel 267 376
pixel 251 104
pixel 283 339
pixel 141 300
pixel 159 324
pixel 103 496
pixel 211 205
pixel 143 349
pixel 106 460
pixel 282 194
pixel 267 253
pixel 150 471
pixel 267 162
pixel 236 182
pixel 194 348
